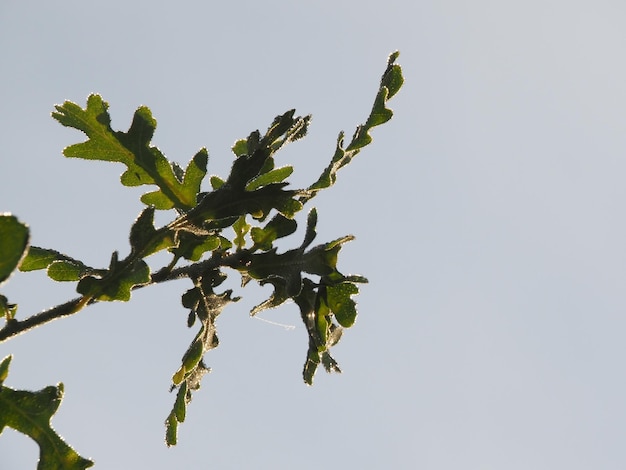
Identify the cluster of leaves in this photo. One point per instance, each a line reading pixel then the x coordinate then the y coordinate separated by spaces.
pixel 253 202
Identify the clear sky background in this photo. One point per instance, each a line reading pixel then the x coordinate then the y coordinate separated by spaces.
pixel 489 216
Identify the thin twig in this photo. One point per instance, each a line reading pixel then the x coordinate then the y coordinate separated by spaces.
pixel 15 327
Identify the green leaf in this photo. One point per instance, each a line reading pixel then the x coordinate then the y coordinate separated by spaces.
pixel 145 163
pixel 171 429
pixel 192 247
pixel 339 301
pixel 4 369
pixel 145 239
pixel 273 176
pixel 240 147
pixel 30 413
pixel 60 267
pixel 118 281
pixel 63 270
pixel 311 224
pixel 14 237
pixel 7 310
pixel 280 226
pixel 310 366
pixel 241 228
pixel 180 405
pixel 188 185
pixel 194 174
pixel 284 270
pixel 39 258
pixel 323 334
pixel 392 79
pixel 216 182
pixel 322 259
pixel 157 199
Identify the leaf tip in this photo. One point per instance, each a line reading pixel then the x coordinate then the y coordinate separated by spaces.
pixel 4 368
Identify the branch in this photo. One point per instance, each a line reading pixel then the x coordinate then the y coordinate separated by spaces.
pixel 15 327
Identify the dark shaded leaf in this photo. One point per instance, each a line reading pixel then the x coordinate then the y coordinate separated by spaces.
pixel 229 202
pixel 118 281
pixel 273 176
pixel 192 247
pixel 14 237
pixel 145 239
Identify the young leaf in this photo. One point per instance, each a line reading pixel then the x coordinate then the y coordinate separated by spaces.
pixel 4 368
pixel 14 237
pixel 390 84
pixel 216 182
pixel 30 413
pixel 241 228
pixel 7 310
pixel 206 305
pixel 240 147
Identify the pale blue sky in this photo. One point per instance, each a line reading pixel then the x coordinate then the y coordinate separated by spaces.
pixel 488 215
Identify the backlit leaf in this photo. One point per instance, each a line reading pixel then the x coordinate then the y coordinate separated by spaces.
pixel 241 228
pixel 390 84
pixel 145 163
pixel 39 258
pixel 30 413
pixel 339 301
pixel 63 270
pixel 7 310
